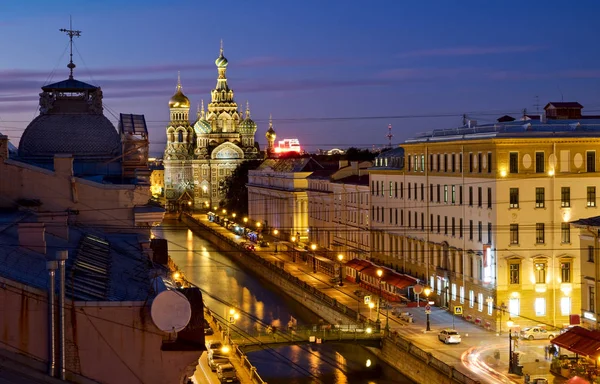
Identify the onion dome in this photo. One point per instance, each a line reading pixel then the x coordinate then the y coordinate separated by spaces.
pixel 270 135
pixel 221 61
pixel 248 126
pixel 179 100
pixel 202 127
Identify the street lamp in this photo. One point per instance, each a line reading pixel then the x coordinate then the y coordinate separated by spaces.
pixel 245 220
pixel 502 310
pixel 234 215
pixel 313 248
pixel 371 306
pixel 294 239
pixel 275 233
pixel 224 211
pixel 427 292
pixel 233 316
pixel 510 324
pixel 379 273
pixel 340 258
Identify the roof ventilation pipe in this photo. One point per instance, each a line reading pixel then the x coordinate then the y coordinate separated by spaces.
pixel 51 267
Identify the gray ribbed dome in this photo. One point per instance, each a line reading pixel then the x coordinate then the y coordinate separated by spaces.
pixel 82 135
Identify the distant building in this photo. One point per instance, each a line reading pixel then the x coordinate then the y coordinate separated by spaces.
pixel 287 146
pixel 199 156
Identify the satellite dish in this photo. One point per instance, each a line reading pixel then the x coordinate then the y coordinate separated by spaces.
pixel 170 311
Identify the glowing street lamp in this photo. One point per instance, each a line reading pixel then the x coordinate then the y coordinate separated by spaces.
pixel 275 233
pixel 245 220
pixel 258 224
pixel 224 211
pixel 340 258
pixel 313 248
pixel 371 306
pixel 510 324
pixel 379 274
pixel 427 292
pixel 294 239
pixel 234 215
pixel 233 316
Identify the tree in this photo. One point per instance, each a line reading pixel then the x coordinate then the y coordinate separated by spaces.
pixel 236 192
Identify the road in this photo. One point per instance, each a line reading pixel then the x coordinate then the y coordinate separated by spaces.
pixel 473 356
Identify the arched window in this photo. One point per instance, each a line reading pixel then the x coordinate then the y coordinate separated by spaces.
pixel 180 138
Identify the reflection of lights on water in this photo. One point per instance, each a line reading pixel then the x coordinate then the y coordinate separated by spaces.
pixel 368 363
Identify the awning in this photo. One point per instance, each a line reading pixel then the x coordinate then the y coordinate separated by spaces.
pixel 358 264
pixel 581 341
pixel 399 281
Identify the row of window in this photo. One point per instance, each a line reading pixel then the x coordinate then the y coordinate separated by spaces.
pixel 450 162
pixel 540 162
pixel 540 233
pixel 449 195
pixel 540 272
pixel 540 197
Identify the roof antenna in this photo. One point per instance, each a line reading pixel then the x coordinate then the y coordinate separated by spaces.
pixel 561 94
pixel 71 32
pixel 389 135
pixel 537 104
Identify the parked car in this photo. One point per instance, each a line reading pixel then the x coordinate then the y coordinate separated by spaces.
pixel 213 344
pixel 249 246
pixel 226 373
pixel 449 336
pixel 264 243
pixel 537 333
pixel 215 360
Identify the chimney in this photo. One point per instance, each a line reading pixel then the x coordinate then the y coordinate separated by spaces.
pixel 63 164
pixel 32 236
pixel 354 165
pixel 343 163
pixel 55 223
pixel 543 119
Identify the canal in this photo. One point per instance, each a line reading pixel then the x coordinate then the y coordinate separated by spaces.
pixel 225 285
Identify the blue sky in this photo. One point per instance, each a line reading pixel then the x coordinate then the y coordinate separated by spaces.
pixel 368 63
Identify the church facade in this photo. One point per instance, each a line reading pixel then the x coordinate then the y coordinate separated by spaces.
pixel 200 156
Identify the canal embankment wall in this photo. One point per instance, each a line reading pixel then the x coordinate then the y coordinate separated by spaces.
pixel 397 351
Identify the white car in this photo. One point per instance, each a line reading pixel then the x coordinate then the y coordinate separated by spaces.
pixel 449 336
pixel 537 333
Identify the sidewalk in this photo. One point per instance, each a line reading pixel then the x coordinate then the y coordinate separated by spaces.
pixel 475 355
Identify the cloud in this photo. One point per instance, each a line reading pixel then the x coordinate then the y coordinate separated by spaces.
pixel 400 74
pixel 471 51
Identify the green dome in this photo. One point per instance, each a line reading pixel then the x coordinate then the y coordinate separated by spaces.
pixel 221 61
pixel 248 126
pixel 202 127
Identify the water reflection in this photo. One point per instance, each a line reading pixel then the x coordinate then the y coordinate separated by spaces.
pixel 226 285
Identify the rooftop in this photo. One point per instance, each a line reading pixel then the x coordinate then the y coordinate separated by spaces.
pixel 514 129
pixel 100 267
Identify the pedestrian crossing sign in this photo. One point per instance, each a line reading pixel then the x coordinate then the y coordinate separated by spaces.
pixel 367 299
pixel 458 310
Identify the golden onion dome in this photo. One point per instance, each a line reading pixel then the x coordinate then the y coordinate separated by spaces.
pixel 270 135
pixel 179 100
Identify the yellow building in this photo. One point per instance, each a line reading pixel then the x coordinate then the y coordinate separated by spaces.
pixel 157 179
pixel 482 214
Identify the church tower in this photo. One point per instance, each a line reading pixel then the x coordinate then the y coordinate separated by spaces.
pixel 270 135
pixel 247 129
pixel 179 183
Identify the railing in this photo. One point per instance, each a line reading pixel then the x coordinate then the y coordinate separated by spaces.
pixel 392 337
pixel 429 359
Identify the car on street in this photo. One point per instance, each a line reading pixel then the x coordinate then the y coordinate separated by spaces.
pixel 537 333
pixel 214 360
pixel 226 373
pixel 449 336
pixel 213 344
pixel 249 246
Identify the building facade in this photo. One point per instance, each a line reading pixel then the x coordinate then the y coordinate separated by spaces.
pixel 338 210
pixel 482 215
pixel 588 231
pixel 199 156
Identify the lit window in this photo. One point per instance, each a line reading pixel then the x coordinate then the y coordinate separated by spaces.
pixel 514 273
pixel 514 306
pixel 565 306
pixel 540 198
pixel 540 306
pixel 565 271
pixel 565 233
pixel 480 302
pixel 565 197
pixel 540 273
pixel 490 305
pixel 453 292
pixel 591 196
pixel 514 233
pixel 539 233
pixel 462 295
pixel 471 298
pixel 514 198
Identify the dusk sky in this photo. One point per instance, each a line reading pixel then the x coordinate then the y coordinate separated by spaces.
pixel 361 64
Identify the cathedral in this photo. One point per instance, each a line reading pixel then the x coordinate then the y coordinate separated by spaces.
pixel 199 157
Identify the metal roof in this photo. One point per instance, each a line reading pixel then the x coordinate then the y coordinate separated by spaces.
pixel 69 85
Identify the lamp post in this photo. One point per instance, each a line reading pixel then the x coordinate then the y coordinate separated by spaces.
pixel 275 233
pixel 378 322
pixel 313 248
pixel 502 309
pixel 233 316
pixel 510 323
pixel 427 292
pixel 340 258
pixel 371 306
pixel 294 248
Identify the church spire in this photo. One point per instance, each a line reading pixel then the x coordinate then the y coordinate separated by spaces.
pixel 247 109
pixel 270 121
pixel 202 115
pixel 178 81
pixel 71 33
